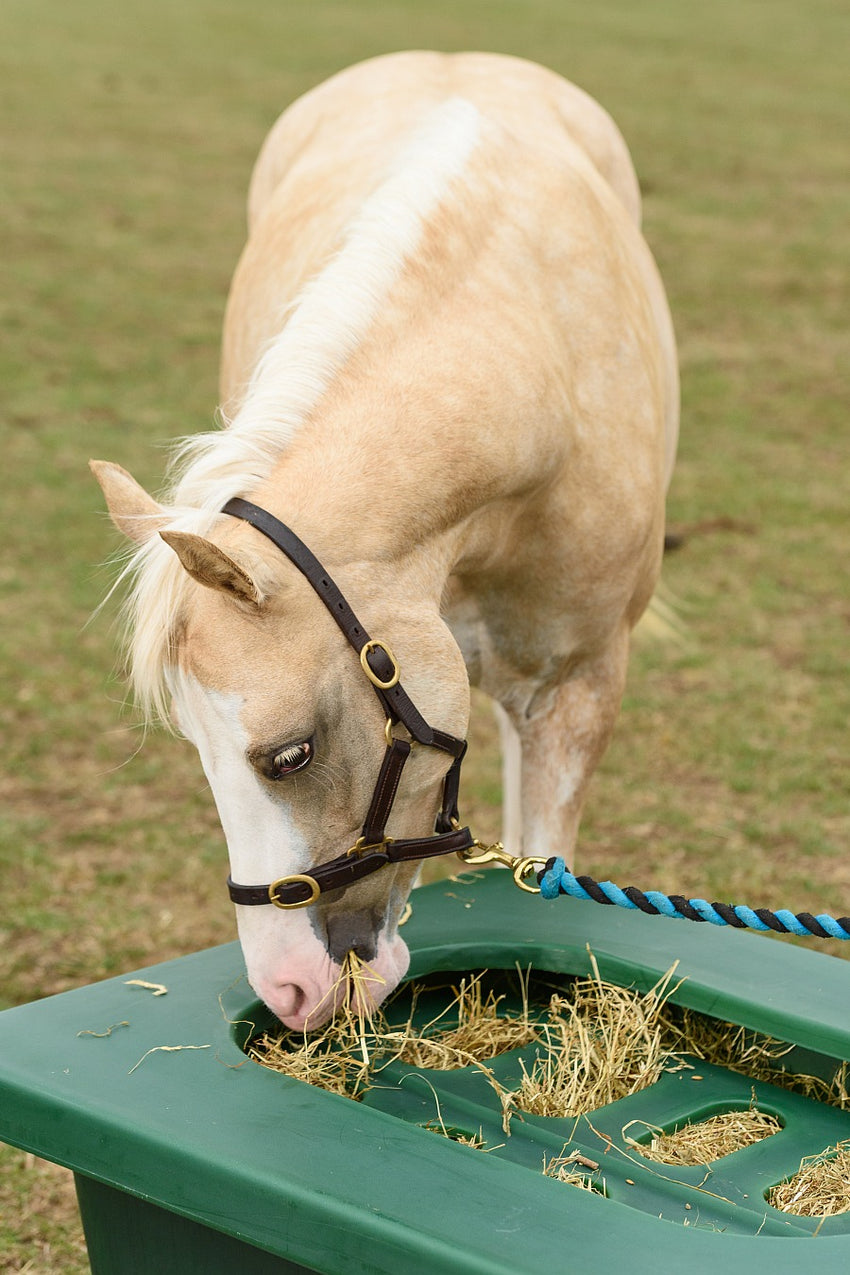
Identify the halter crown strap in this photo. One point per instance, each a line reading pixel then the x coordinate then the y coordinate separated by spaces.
pixel 373 848
pixel 375 656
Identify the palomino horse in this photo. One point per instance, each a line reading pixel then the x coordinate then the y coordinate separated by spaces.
pixel 449 367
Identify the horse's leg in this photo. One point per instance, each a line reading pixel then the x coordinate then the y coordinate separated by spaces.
pixel 511 781
pixel 564 733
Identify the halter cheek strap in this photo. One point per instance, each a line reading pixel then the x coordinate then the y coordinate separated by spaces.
pixel 373 849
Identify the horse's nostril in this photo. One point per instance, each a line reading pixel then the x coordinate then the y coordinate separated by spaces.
pixel 355 932
pixel 288 1000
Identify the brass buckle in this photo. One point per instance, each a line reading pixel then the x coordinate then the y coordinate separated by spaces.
pixel 297 878
pixel 521 867
pixel 375 645
pixel 361 847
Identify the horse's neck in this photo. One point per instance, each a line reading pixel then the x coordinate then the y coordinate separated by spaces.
pixel 362 529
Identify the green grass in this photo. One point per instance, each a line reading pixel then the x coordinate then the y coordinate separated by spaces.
pixel 129 136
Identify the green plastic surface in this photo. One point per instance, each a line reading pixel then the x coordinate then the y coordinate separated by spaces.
pixel 329 1185
pixel 126 1234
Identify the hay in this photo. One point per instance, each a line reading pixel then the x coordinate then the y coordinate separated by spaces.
pixel 597 1043
pixel 475 1140
pixel 752 1054
pixel 338 1057
pixel 574 1169
pixel 707 1140
pixel 355 1045
pixel 481 1032
pixel 323 1061
pixel 563 1169
pixel 820 1188
pixel 603 1043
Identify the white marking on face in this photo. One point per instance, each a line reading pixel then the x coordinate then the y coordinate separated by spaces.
pixel 262 836
pixel 263 839
pixel 288 966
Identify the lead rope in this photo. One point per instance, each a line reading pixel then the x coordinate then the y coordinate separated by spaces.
pixel 554 879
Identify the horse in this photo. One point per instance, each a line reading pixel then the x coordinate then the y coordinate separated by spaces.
pixel 449 396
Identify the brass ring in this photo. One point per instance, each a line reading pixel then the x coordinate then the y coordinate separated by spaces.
pixel 375 645
pixel 298 878
pixel 389 724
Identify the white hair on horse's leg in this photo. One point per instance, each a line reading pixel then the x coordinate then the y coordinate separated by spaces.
pixel 511 781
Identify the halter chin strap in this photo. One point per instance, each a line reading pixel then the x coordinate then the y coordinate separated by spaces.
pixel 373 849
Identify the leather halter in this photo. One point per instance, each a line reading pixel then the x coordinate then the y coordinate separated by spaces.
pixel 373 849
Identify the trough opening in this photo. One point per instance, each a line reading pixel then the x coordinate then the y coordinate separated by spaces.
pixel 549 1060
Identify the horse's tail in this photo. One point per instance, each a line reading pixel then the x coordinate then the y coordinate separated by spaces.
pixel 661 621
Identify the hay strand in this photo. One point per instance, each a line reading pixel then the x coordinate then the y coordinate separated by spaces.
pixel 158 989
pixel 164 1049
pixel 103 1035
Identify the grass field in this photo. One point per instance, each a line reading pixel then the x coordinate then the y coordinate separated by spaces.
pixel 127 139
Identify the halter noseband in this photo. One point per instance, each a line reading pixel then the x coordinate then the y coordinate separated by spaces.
pixel 373 848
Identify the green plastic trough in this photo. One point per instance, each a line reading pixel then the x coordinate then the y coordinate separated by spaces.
pixel 197 1160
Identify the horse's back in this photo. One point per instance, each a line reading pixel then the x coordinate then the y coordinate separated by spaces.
pixel 525 275
pixel 372 105
pixel 335 146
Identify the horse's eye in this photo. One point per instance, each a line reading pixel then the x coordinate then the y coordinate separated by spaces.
pixel 290 759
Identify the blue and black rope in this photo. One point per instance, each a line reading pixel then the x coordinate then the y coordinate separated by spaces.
pixel 555 879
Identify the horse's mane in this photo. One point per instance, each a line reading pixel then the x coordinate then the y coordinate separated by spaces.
pixel 319 332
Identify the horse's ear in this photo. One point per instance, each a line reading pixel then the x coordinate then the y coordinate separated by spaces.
pixel 133 511
pixel 211 566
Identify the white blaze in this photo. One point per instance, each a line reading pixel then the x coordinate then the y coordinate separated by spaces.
pixel 288 966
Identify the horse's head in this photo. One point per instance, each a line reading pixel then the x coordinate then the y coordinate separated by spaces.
pixel 291 737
